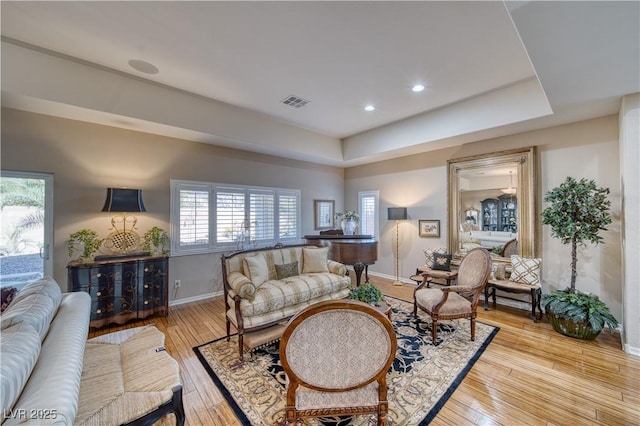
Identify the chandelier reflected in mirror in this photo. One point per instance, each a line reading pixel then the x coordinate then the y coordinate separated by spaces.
pixel 123 238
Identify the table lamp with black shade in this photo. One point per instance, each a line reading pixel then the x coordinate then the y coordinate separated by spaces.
pixel 123 239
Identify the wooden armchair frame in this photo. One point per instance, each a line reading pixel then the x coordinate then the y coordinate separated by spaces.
pixel 328 311
pixel 471 283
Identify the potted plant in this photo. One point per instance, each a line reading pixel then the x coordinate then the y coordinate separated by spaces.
pixel 348 221
pixel 578 211
pixel 84 241
pixel 367 293
pixel 155 240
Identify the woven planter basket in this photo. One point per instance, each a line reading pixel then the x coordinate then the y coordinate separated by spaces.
pixel 579 330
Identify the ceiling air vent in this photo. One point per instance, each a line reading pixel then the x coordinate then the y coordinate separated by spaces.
pixel 295 101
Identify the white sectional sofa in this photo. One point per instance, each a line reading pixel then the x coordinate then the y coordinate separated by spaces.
pixel 51 374
pixel 265 287
pixel 487 239
pixel 43 338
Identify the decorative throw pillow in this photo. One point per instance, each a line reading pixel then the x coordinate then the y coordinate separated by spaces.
pixel 255 268
pixel 314 260
pixel 441 262
pixel 8 293
pixel 428 254
pixel 287 270
pixel 525 270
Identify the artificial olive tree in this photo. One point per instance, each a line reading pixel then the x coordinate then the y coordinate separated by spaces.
pixel 577 212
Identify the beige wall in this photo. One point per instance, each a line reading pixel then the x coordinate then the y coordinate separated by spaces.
pixel 87 158
pixel 587 149
pixel 630 182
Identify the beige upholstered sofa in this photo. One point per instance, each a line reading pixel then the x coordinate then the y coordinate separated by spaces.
pixel 51 375
pixel 265 287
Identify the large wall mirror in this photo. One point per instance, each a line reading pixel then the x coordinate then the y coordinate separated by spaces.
pixel 492 203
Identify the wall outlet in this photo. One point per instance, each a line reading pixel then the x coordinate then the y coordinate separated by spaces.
pixel 177 284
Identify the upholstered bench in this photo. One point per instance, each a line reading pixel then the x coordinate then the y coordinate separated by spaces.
pixel 128 378
pixel 521 277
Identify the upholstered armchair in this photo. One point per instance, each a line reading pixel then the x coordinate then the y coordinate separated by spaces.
pixel 457 301
pixel 336 355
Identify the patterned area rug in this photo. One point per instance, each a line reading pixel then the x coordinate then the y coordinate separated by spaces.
pixel 420 381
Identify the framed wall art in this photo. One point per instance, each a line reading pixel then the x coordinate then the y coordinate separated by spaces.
pixel 429 228
pixel 323 214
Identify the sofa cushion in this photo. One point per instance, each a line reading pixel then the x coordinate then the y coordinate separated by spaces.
pixel 255 268
pixel 36 310
pixel 35 304
pixel 428 254
pixel 314 260
pixel 45 286
pixel 275 295
pixel 8 293
pixel 525 270
pixel 19 350
pixel 287 270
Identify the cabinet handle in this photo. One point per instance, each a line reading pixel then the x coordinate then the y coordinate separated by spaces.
pixel 146 269
pixel 98 311
pixel 98 275
pixel 146 302
pixel 146 286
pixel 99 293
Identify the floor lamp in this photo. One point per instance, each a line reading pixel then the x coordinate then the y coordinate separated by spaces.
pixel 397 214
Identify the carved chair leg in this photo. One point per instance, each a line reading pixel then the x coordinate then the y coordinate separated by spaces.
pixel 486 298
pixel 228 329
pixel 434 330
pixel 240 343
pixel 473 328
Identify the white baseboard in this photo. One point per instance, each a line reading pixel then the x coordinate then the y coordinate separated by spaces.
pixel 631 350
pixel 195 298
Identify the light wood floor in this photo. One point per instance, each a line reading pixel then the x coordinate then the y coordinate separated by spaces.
pixel 529 375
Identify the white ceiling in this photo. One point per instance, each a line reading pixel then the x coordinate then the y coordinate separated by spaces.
pixel 341 56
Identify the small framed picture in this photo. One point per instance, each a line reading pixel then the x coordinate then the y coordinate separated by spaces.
pixel 323 214
pixel 429 228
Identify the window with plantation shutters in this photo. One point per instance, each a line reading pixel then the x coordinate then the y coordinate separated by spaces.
pixel 193 227
pixel 208 217
pixel 262 217
pixel 368 205
pixel 288 212
pixel 230 216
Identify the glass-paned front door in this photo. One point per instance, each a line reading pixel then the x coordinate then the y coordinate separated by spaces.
pixel 25 227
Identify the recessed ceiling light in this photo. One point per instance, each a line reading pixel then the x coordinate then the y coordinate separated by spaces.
pixel 143 66
pixel 418 88
pixel 369 108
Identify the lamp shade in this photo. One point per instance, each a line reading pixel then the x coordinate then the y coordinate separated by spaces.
pixel 396 213
pixel 124 200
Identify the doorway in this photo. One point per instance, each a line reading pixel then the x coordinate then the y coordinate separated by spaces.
pixel 26 227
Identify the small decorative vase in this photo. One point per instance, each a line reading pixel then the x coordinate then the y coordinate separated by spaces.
pixel 578 330
pixel 349 227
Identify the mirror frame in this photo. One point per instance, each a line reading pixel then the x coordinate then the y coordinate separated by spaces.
pixel 525 160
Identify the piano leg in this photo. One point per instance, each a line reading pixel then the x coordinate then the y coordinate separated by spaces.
pixel 358 267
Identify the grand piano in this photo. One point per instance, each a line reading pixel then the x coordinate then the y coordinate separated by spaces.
pixel 360 251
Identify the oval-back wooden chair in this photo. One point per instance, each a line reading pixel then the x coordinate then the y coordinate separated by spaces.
pixel 509 248
pixel 456 301
pixel 336 355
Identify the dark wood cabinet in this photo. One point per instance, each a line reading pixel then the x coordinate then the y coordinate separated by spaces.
pixel 122 289
pixel 489 219
pixel 508 209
